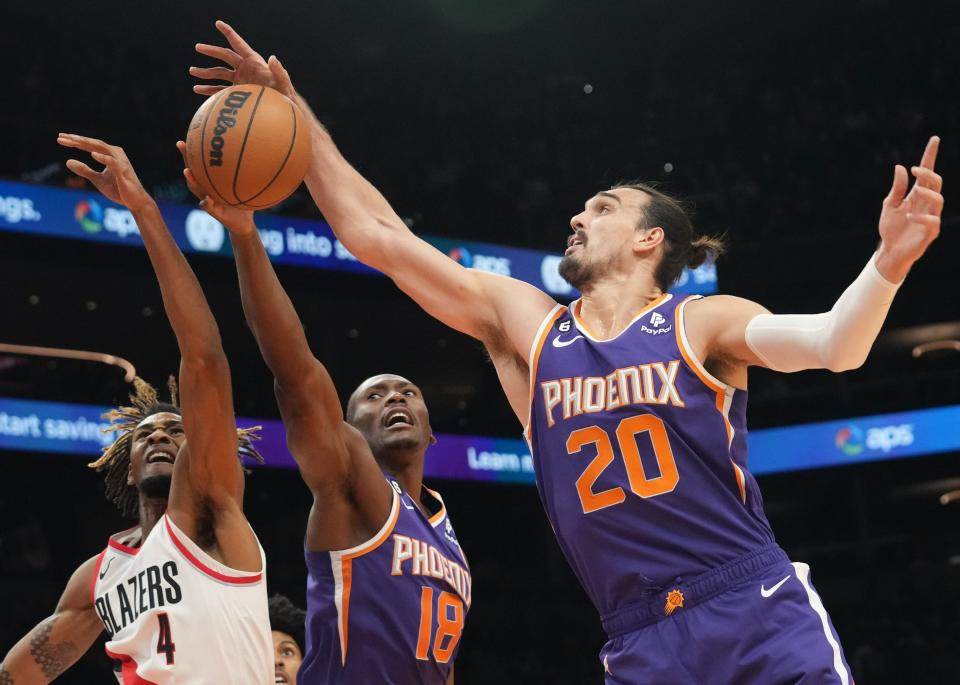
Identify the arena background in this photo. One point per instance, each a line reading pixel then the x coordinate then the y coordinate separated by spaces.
pixel 494 121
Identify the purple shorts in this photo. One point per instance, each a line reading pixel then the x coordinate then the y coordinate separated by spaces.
pixel 765 629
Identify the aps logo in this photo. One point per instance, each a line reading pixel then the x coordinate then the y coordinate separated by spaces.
pixel 89 214
pixel 94 218
pixel 852 441
pixel 497 265
pixel 849 440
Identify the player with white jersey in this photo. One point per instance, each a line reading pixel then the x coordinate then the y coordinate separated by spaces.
pixel 182 595
pixel 157 600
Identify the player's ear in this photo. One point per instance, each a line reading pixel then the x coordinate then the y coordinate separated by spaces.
pixel 130 472
pixel 646 239
pixel 433 439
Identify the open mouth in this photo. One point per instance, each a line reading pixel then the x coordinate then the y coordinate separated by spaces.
pixel 574 241
pixel 163 456
pixel 280 677
pixel 398 418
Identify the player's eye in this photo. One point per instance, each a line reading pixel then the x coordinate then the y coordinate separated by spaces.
pixel 287 651
pixel 410 393
pixel 374 396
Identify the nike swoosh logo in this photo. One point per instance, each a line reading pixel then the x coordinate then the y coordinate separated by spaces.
pixel 764 592
pixel 557 342
pixel 104 571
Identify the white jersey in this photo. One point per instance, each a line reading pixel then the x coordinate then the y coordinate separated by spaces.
pixel 176 615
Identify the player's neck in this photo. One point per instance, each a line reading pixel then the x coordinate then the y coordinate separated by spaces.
pixel 151 509
pixel 409 474
pixel 609 305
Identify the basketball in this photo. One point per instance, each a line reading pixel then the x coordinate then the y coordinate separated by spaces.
pixel 248 146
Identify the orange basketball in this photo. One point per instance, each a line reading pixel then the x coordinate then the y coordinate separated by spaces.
pixel 248 146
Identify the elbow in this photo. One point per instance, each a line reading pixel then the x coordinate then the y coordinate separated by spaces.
pixel 846 362
pixel 210 362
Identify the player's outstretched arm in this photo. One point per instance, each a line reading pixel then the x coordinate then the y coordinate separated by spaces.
pixel 501 312
pixel 206 396
pixel 333 460
pixel 56 643
pixel 841 338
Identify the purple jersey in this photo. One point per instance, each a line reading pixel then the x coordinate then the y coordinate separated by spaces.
pixel 392 609
pixel 640 455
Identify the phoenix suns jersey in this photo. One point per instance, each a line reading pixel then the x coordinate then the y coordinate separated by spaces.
pixel 174 614
pixel 392 609
pixel 640 455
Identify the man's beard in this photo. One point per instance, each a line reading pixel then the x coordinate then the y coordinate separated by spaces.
pixel 575 272
pixel 157 487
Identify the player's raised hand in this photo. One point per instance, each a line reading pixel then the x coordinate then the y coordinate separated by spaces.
pixel 236 220
pixel 244 65
pixel 910 221
pixel 117 181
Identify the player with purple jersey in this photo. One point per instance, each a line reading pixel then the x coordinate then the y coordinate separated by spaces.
pixel 639 444
pixel 388 586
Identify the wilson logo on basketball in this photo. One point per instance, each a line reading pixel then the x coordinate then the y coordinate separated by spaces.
pixel 248 146
pixel 226 119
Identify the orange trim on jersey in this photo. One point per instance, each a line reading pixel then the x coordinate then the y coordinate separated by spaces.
pixel 346 570
pixel 436 518
pixel 200 566
pixel 646 308
pixel 538 348
pixel 741 481
pixel 689 358
pixel 96 570
pixel 128 669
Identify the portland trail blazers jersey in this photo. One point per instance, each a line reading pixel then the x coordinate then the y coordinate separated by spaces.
pixel 640 455
pixel 176 615
pixel 389 611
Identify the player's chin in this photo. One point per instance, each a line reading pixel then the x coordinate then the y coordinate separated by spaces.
pixel 402 439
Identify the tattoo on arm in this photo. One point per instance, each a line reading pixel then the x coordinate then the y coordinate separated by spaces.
pixel 53 659
pixel 5 677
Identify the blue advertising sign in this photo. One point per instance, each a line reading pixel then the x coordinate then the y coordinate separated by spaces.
pixel 84 215
pixel 28 425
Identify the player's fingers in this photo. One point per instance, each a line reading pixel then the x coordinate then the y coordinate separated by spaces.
pixel 81 169
pixel 213 73
pixel 217 52
pixel 930 153
pixel 192 184
pixel 82 142
pixel 236 42
pixel 182 149
pixel 929 200
pixel 898 189
pixel 280 73
pixel 931 221
pixel 207 90
pixel 928 178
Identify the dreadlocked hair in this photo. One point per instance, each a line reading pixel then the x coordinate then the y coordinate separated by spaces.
pixel 115 459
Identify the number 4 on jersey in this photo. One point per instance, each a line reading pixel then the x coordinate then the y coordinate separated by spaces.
pixel 165 643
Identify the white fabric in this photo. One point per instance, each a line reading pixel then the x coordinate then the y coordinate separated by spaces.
pixel 838 340
pixel 218 620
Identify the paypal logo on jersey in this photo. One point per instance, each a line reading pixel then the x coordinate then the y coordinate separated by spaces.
pixel 656 326
pixel 449 534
